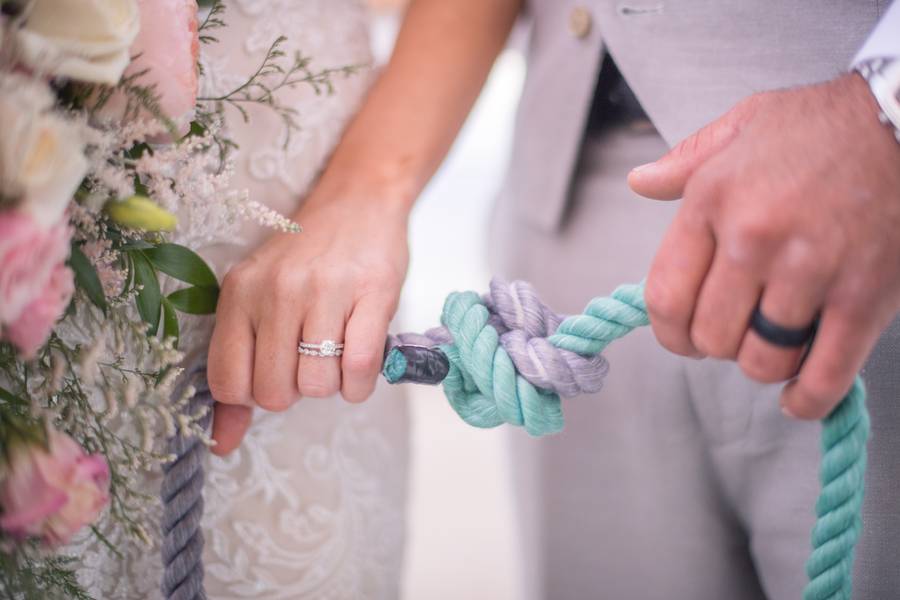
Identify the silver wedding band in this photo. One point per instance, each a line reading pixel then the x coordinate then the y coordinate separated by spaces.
pixel 327 348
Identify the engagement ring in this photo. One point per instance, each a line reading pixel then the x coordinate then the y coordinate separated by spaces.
pixel 326 348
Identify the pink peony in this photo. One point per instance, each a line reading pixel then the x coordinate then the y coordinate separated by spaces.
pixel 167 47
pixel 35 285
pixel 51 495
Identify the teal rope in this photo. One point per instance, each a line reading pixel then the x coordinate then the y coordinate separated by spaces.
pixel 484 388
pixel 838 509
pixel 482 385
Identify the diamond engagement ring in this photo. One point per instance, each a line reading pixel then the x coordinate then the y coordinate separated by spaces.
pixel 326 348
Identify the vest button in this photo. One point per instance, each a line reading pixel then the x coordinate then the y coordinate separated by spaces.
pixel 580 22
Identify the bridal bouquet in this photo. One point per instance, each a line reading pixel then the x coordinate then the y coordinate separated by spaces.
pixel 112 173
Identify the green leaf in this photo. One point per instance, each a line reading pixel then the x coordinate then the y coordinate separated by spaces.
pixel 183 264
pixel 86 277
pixel 197 130
pixel 195 300
pixel 11 398
pixel 136 245
pixel 170 321
pixel 149 299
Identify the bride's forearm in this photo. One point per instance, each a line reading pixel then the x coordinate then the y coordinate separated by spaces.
pixel 443 54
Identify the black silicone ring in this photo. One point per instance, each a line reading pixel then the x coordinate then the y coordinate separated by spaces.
pixel 781 336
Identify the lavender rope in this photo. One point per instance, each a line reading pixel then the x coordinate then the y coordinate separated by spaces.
pixel 182 496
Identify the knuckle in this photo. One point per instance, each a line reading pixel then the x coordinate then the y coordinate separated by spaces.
pixel 273 400
pixel 764 367
pixel 753 233
pixel 225 393
pixel 234 281
pixel 747 242
pixel 828 381
pixel 801 257
pixel 317 389
pixel 674 343
pixel 362 363
pixel 662 301
pixel 713 344
pixel 284 281
pixel 811 400
pixel 809 258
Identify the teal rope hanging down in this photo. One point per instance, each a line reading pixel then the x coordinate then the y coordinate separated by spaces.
pixel 506 358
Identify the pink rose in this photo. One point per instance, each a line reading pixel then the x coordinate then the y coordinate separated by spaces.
pixel 167 47
pixel 29 332
pixel 35 285
pixel 51 495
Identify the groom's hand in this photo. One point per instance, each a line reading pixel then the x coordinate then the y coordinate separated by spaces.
pixel 791 202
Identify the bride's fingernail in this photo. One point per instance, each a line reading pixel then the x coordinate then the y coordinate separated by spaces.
pixel 640 168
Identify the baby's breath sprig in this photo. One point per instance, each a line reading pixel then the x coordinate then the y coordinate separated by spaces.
pixel 272 76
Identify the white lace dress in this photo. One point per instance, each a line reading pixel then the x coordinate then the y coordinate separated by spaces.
pixel 312 505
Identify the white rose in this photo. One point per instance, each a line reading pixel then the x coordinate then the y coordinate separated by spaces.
pixel 85 40
pixel 42 160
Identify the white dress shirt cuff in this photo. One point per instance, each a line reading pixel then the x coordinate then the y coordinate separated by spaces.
pixel 884 40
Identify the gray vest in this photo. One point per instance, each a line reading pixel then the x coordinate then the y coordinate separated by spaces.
pixel 688 61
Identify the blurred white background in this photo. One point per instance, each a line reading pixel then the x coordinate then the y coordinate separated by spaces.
pixel 461 541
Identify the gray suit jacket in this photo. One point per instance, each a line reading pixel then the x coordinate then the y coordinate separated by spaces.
pixel 688 62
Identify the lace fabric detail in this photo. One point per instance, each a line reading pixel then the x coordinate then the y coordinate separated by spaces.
pixel 312 505
pixel 320 511
pixel 276 166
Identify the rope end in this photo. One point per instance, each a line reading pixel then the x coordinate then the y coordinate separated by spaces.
pixel 416 364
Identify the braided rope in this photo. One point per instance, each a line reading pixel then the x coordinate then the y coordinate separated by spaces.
pixel 524 324
pixel 487 387
pixel 510 357
pixel 182 497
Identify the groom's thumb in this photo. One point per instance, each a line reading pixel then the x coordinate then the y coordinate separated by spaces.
pixel 666 178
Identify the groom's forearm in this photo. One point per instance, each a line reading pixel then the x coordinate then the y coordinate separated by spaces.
pixel 443 54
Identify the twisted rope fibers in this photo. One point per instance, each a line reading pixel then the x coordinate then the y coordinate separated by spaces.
pixel 510 358
pixel 491 381
pixel 182 498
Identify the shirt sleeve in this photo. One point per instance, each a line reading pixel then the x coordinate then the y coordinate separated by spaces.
pixel 884 41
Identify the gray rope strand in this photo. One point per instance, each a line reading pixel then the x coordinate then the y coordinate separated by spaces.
pixel 524 323
pixel 182 497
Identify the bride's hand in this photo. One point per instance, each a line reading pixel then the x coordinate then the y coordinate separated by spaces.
pixel 339 280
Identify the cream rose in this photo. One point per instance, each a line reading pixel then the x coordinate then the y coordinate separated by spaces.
pixel 86 40
pixel 42 159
